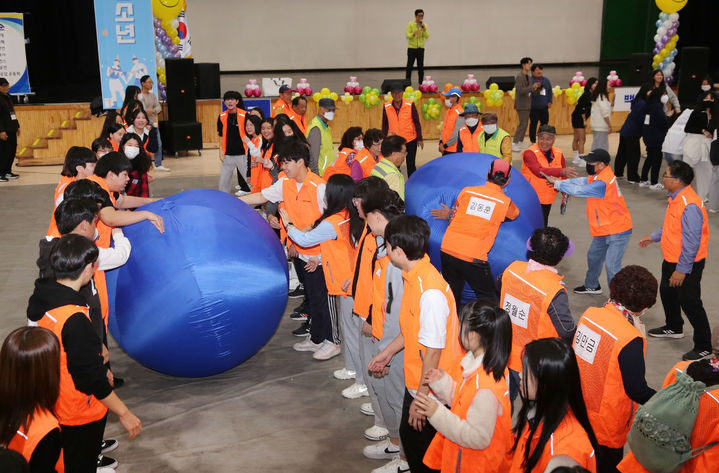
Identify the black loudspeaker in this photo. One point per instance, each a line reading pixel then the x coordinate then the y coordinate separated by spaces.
pixel 694 67
pixel 180 136
pixel 640 69
pixel 207 80
pixel 505 83
pixel 388 83
pixel 180 90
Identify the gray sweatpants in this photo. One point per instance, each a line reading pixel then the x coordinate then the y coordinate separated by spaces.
pixel 366 354
pixel 523 116
pixel 227 171
pixel 350 325
pixel 600 140
pixel 389 391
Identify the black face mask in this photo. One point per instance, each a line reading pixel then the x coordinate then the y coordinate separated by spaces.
pixel 590 169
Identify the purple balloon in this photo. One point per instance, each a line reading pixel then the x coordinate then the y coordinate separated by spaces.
pixel 156 21
pixel 173 48
pixel 177 53
pixel 666 38
pixel 656 50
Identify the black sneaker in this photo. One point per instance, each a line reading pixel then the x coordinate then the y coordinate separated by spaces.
pixel 11 175
pixel 302 331
pixel 299 291
pixel 695 355
pixel 585 290
pixel 664 332
pixel 106 462
pixel 299 316
pixel 108 445
pixel 3 179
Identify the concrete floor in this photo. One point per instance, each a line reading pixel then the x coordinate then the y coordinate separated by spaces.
pixel 280 411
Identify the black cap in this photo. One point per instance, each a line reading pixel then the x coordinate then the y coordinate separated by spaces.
pixel 598 156
pixel 285 88
pixel 3 81
pixel 329 104
pixel 547 129
pixel 397 86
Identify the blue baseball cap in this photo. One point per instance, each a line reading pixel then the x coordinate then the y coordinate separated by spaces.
pixel 469 108
pixel 453 91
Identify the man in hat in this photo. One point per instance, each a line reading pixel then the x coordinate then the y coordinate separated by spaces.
pixel 494 140
pixel 543 159
pixel 400 117
pixel 319 136
pixel 452 123
pixel 9 131
pixel 610 223
pixel 468 135
pixel 283 103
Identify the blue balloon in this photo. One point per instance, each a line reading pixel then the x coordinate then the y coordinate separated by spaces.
pixel 205 295
pixel 659 23
pixel 440 181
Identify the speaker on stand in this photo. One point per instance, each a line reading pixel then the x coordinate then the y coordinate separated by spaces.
pixel 693 69
pixel 181 132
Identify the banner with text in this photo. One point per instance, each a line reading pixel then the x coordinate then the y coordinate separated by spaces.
pixel 125 45
pixel 13 63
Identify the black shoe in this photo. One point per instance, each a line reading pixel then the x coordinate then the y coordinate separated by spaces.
pixel 108 445
pixel 664 332
pixel 118 382
pixel 106 462
pixel 3 179
pixel 694 355
pixel 585 290
pixel 299 316
pixel 302 331
pixel 11 175
pixel 299 291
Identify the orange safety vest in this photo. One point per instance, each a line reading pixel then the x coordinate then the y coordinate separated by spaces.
pixel 480 210
pixel 25 440
pixel 470 141
pixel 265 179
pixel 706 430
pixel 302 205
pixel 73 407
pixel 420 279
pixel 337 254
pixel 256 168
pixel 340 166
pixel 568 439
pixel 450 120
pixel 526 297
pixel 59 191
pixel 608 215
pixel 240 125
pixel 602 333
pixel 281 107
pixel 367 161
pixel 104 237
pixel 449 457
pixel 362 273
pixel 671 241
pixel 544 190
pixel 400 122
pixel 379 296
pixel 299 121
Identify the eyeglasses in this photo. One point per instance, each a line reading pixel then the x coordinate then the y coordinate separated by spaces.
pixel 667 176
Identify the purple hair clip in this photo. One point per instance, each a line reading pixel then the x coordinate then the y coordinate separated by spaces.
pixel 569 251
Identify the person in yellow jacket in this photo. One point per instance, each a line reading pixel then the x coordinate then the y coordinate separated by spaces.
pixel 494 140
pixel 453 121
pixel 416 34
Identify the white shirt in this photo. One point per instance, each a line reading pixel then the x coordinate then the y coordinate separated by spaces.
pixel 433 313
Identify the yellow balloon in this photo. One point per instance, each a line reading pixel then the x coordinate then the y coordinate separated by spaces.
pixel 670 6
pixel 576 85
pixel 167 9
pixel 325 91
pixel 176 40
pixel 334 96
pixel 316 96
pixel 675 38
pixel 493 86
pixel 165 24
pixel 487 93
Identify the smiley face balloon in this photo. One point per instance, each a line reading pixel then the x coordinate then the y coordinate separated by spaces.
pixel 669 6
pixel 167 10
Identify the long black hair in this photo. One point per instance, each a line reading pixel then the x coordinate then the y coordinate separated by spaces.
pixel 601 89
pixel 338 194
pixel 140 163
pixel 494 328
pixel 256 122
pixel 267 143
pixel 131 93
pixel 281 141
pixel 110 118
pixel 552 363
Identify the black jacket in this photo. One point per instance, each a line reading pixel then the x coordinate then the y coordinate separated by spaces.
pixel 7 123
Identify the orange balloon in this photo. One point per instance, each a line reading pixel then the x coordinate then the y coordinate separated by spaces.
pixel 448 86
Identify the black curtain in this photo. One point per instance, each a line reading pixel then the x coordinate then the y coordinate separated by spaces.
pixel 698 27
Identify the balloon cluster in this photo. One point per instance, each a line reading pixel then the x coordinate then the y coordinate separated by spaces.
pixel 665 49
pixel 303 87
pixel 573 93
pixel 473 100
pixel 493 96
pixel 369 97
pixel 578 79
pixel 353 86
pixel 411 94
pixel 346 97
pixel 166 46
pixel 512 93
pixel 556 91
pixel 252 89
pixel 428 85
pixel 431 109
pixel 470 84
pixel 325 94
pixel 613 79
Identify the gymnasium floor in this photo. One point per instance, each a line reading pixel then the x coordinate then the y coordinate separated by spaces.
pixel 281 410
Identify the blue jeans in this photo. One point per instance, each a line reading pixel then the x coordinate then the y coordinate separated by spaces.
pixel 158 155
pixel 610 248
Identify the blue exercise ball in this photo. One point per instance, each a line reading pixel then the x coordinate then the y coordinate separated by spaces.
pixel 205 295
pixel 440 181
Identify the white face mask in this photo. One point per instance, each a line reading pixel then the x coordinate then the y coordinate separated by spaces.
pixel 706 88
pixel 100 155
pixel 471 121
pixel 131 152
pixel 359 145
pixel 489 129
pixel 329 116
pixel 448 102
pixel 665 99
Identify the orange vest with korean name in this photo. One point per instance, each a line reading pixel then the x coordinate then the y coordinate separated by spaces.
pixel 450 120
pixel 59 191
pixel 367 161
pixel 526 297
pixel 400 123
pixel 420 279
pixel 544 190
pixel 240 125
pixel 479 212
pixel 361 284
pixel 73 407
pixel 337 254
pixel 470 141
pixel 608 215
pixel 25 440
pixel 671 241
pixel 602 333
pixel 302 205
pixel 340 166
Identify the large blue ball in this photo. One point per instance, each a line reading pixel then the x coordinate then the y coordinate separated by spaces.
pixel 204 296
pixel 441 180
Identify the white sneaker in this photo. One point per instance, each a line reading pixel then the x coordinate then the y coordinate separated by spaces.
pixel 381 450
pixel 238 187
pixel 376 433
pixel 344 373
pixel 516 147
pixel 326 351
pixel 713 211
pixel 397 465
pixel 307 345
pixel 105 470
pixel 355 391
pixel 644 183
pixel 240 193
pixel 162 168
pixel 656 187
pixel 367 409
pixel 579 162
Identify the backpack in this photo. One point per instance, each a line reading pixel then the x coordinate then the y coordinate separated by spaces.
pixel 660 433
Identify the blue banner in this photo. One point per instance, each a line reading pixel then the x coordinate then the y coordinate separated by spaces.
pixel 125 46
pixel 13 63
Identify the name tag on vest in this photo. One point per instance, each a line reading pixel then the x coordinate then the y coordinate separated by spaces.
pixel 586 342
pixel 518 310
pixel 481 208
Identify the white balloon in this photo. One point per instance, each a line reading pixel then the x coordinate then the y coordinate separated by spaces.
pixel 674 17
pixel 656 38
pixel 661 31
pixel 667 24
pixel 161 63
pixel 174 23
